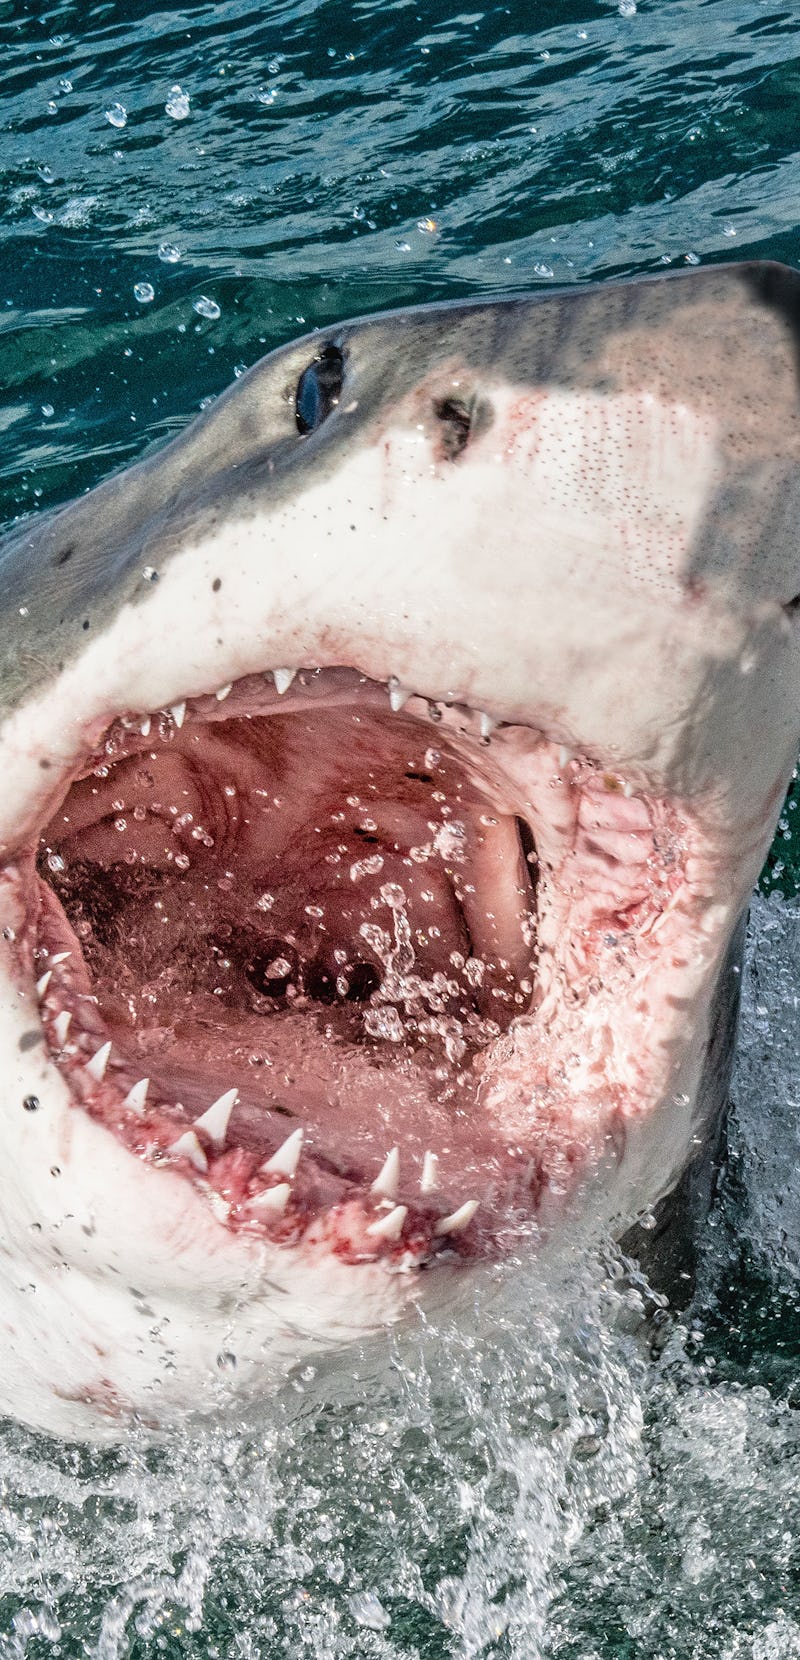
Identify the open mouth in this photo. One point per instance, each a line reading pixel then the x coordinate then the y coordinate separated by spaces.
pixel 319 944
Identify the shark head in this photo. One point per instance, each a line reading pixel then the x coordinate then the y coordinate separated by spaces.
pixel 386 766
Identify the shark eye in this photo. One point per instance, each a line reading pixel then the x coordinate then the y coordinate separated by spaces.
pixel 318 390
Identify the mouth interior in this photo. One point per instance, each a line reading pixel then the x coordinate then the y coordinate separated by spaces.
pixel 310 905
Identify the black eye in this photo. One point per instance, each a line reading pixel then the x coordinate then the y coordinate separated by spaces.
pixel 318 390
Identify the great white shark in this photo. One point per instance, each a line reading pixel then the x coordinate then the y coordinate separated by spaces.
pixel 386 764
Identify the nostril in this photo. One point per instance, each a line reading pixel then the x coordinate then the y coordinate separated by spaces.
pixel 318 390
pixel 272 967
pixel 456 423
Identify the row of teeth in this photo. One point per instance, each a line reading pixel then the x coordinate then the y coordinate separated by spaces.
pixel 272 1203
pixel 398 696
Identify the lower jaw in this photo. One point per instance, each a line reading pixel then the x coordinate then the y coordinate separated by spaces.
pixel 359 1121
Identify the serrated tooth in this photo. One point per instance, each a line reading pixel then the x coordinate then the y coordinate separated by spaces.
pixel 487 724
pixel 387 1183
pixel 223 691
pixel 627 790
pixel 178 713
pixel 216 1118
pixel 96 1067
pixel 61 1026
pixel 398 694
pixel 564 757
pixel 391 1225
pixel 137 1095
pixel 429 1180
pixel 188 1147
pixel 272 1202
pixel 60 957
pixel 43 983
pixel 283 679
pixel 145 726
pixel 458 1219
pixel 285 1161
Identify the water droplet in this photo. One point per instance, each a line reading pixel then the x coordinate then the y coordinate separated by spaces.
pixel 177 104
pixel 144 292
pixel 627 8
pixel 729 229
pixel 64 84
pixel 368 1611
pixel 691 259
pixel 543 270
pixel 42 214
pixel 47 174
pixel 47 410
pixel 150 574
pixel 116 115
pixel 168 253
pixel 206 308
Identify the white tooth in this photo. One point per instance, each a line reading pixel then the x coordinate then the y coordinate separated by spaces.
pixel 283 679
pixel 389 1226
pixel 386 1184
pixel 272 1202
pixel 216 1118
pixel 223 691
pixel 188 1147
pixel 398 695
pixel 96 1067
pixel 220 1207
pixel 136 1097
pixel 61 1026
pixel 487 724
pixel 145 726
pixel 430 1174
pixel 627 790
pixel 458 1219
pixel 287 1158
pixel 43 983
pixel 61 957
pixel 564 757
pixel 178 713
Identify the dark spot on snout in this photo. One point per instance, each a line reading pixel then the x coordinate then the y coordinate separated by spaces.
pixel 29 1040
pixel 31 1103
pixel 456 425
pixel 216 585
pixel 63 556
pixel 85 624
pixel 318 390
pixel 792 606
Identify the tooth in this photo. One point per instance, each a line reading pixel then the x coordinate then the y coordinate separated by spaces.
pixel 43 983
pixel 96 1067
pixel 389 1226
pixel 272 1202
pixel 564 757
pixel 145 726
pixel 178 713
pixel 223 691
pixel 61 1026
pixel 627 790
pixel 385 1185
pixel 429 1180
pixel 285 1161
pixel 188 1147
pixel 61 957
pixel 216 1118
pixel 136 1097
pixel 487 724
pixel 458 1219
pixel 283 679
pixel 398 695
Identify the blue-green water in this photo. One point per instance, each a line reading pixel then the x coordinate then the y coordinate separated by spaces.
pixel 577 1485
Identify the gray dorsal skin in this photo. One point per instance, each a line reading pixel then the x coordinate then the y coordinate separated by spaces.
pixel 721 338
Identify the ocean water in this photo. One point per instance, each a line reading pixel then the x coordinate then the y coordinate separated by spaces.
pixel 183 189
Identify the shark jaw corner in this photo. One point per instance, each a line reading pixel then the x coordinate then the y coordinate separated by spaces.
pixel 387 765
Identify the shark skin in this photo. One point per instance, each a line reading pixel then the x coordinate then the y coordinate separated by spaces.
pixel 387 764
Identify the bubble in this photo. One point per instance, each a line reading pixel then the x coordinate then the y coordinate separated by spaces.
pixel 627 8
pixel 116 115
pixel 177 104
pixel 168 253
pixel 206 308
pixel 144 292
